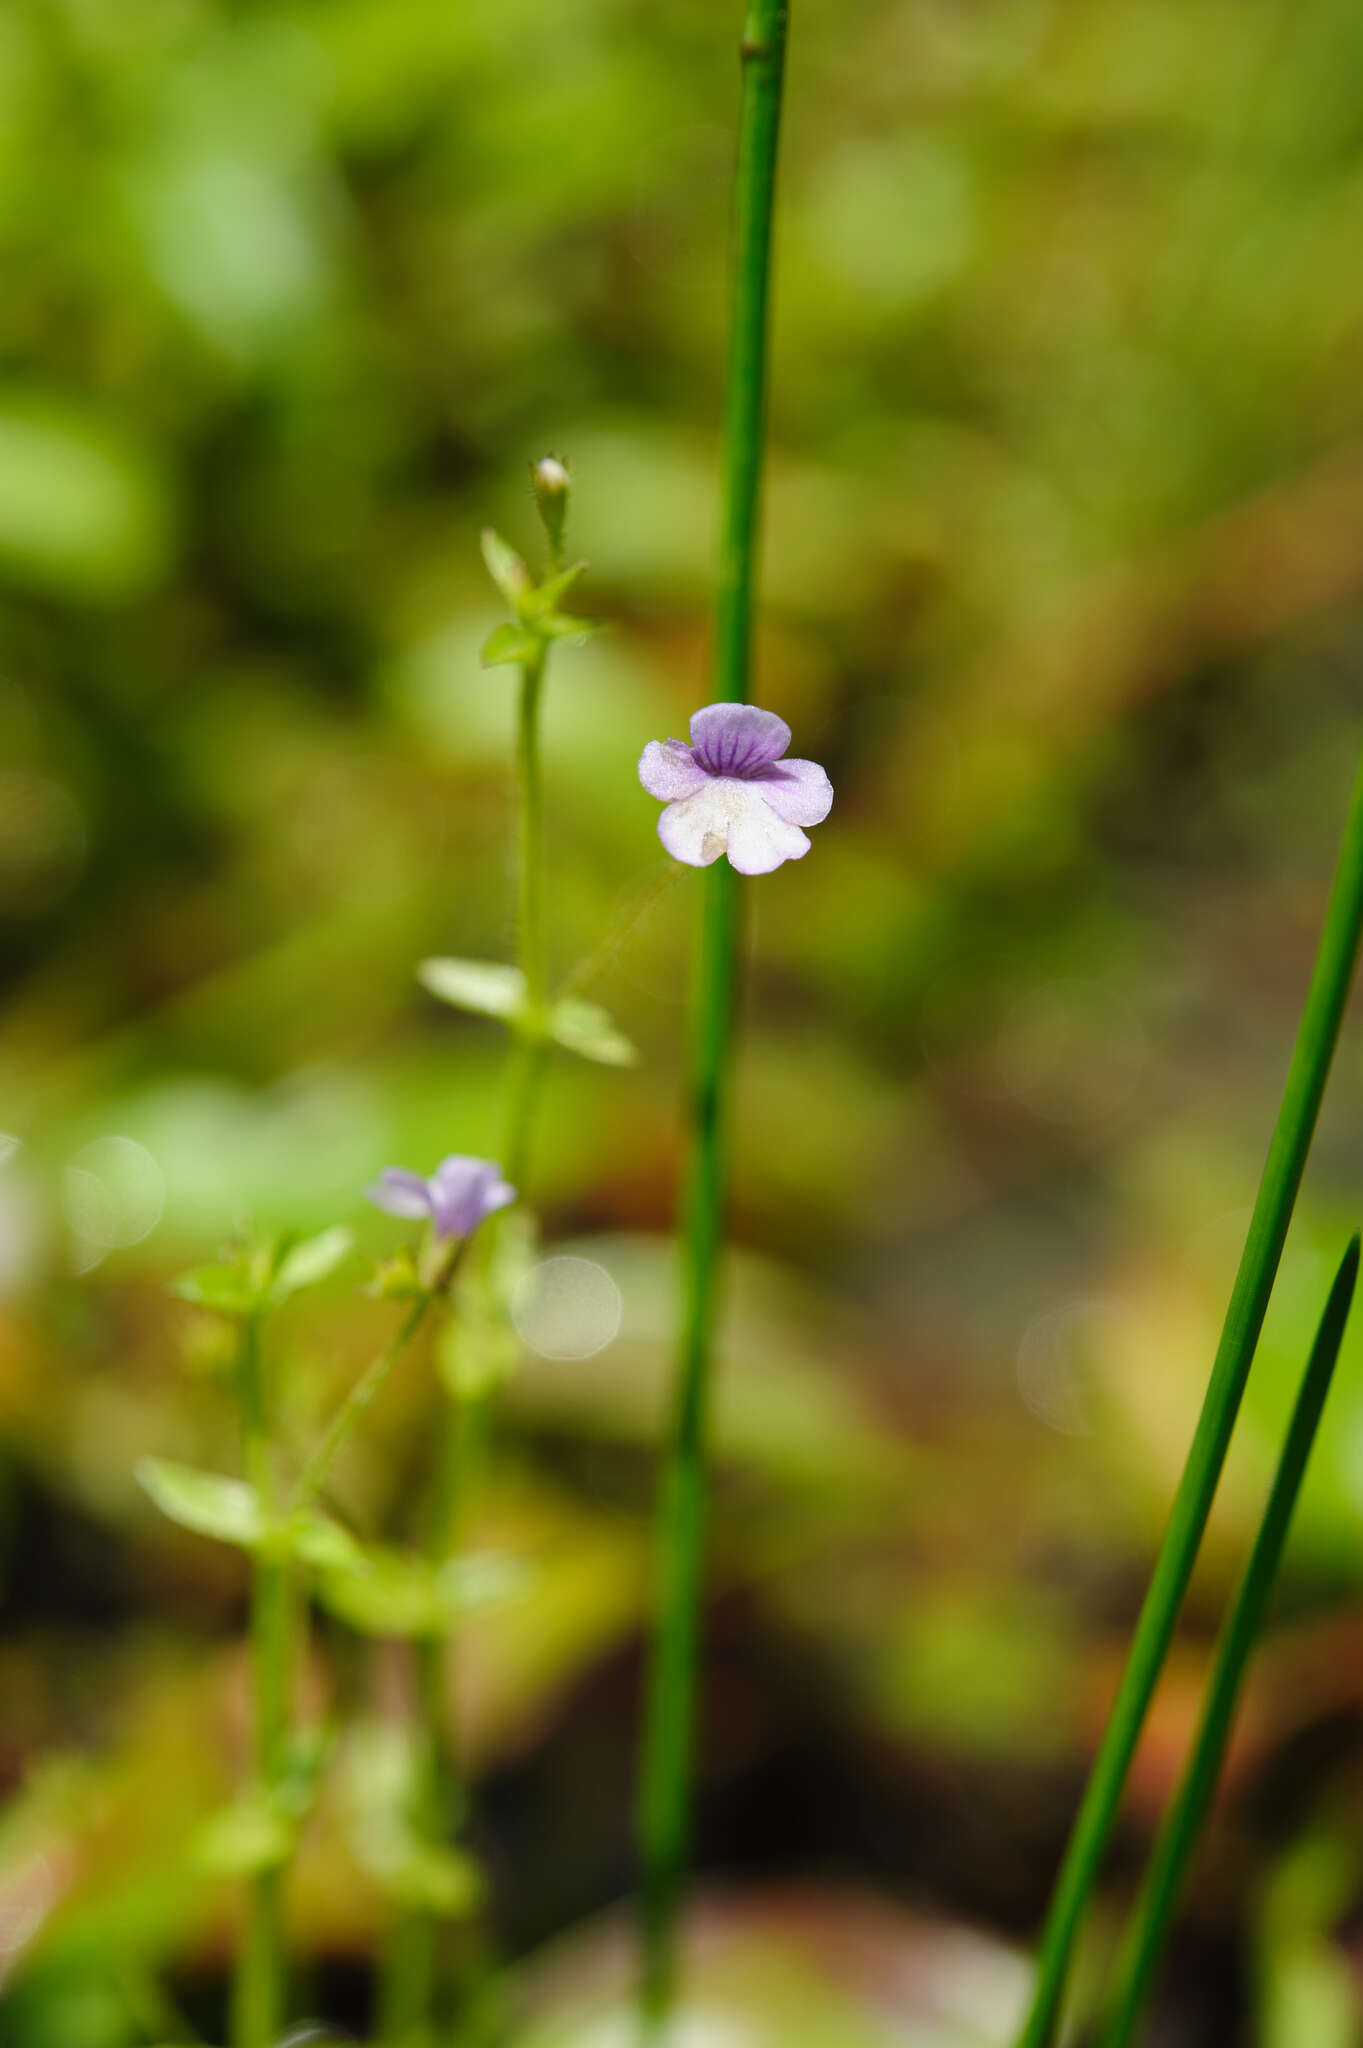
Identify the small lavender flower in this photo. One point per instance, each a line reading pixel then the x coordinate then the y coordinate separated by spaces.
pixel 731 792
pixel 457 1197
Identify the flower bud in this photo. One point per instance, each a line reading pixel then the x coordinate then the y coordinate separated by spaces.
pixel 549 477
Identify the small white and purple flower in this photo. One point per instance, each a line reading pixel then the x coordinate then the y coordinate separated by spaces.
pixel 456 1198
pixel 731 791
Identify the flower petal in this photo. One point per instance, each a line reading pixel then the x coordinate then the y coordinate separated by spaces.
pixel 759 840
pixel 730 816
pixel 464 1191
pixel 668 769
pixel 400 1192
pixel 798 791
pixel 696 830
pixel 737 739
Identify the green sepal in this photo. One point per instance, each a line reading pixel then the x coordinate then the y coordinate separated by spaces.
pixel 506 568
pixel 512 643
pixel 396 1279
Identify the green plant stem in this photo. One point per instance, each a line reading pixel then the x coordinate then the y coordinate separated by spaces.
pixel 411 1986
pixel 1159 1895
pixel 260 1985
pixel 1316 1039
pixel 665 1776
pixel 531 945
pixel 666 1758
pixel 763 52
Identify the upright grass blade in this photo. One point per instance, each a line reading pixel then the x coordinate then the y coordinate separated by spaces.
pixel 1159 1895
pixel 665 1764
pixel 1316 1039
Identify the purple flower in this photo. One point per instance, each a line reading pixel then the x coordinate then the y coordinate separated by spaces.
pixel 458 1195
pixel 731 792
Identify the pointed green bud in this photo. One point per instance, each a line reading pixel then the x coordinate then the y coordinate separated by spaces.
pixel 550 479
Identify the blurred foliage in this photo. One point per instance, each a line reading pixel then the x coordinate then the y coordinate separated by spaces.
pixel 1065 585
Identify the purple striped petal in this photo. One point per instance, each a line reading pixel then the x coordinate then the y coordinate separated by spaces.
pixel 737 739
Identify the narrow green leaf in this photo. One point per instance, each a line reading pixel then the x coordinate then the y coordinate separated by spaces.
pixel 506 568
pixel 562 626
pixel 250 1836
pixel 397 1595
pixel 229 1511
pixel 484 986
pixel 226 1509
pixel 1317 1036
pixel 226 1289
pixel 587 1029
pixel 400 1593
pixel 428 1877
pixel 482 1579
pixel 1154 1912
pixel 545 596
pixel 315 1539
pixel 511 643
pixel 311 1262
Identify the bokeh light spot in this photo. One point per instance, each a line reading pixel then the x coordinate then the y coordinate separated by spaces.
pixel 567 1308
pixel 115 1193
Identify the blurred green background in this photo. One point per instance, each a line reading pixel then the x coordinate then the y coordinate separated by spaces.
pixel 1065 586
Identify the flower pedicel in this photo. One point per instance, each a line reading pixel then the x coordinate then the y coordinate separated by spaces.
pixel 730 791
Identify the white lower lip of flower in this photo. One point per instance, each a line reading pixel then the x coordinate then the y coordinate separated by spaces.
pixel 730 816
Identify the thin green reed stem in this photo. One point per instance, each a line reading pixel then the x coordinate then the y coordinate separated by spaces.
pixel 259 1989
pixel 1159 1896
pixel 1316 1039
pixel 665 1778
pixel 666 1759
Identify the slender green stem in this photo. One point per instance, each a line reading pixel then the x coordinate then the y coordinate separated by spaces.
pixel 763 51
pixel 666 1758
pixel 259 1989
pixel 665 1776
pixel 407 1983
pixel 1159 1896
pixel 412 1985
pixel 1316 1039
pixel 532 952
